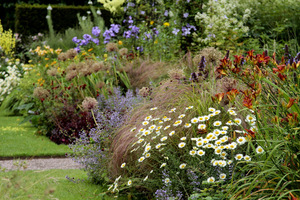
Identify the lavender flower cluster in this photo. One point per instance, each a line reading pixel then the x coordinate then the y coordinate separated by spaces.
pixel 91 149
pixel 166 193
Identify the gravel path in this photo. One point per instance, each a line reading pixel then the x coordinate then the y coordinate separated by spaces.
pixel 40 164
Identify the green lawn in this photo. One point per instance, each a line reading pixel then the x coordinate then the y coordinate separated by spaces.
pixel 49 184
pixel 21 141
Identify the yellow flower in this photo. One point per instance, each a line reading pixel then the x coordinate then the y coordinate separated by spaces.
pixel 91 49
pixel 120 42
pixel 155 42
pixel 152 22
pixel 46 58
pixel 166 24
pixel 105 55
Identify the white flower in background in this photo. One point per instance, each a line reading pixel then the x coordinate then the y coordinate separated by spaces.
pixel 49 8
pixel 182 166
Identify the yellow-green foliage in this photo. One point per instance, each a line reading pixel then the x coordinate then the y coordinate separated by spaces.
pixel 7 41
pixel 112 5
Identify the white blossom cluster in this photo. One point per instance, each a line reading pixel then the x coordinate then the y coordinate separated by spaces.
pixel 12 77
pixel 223 18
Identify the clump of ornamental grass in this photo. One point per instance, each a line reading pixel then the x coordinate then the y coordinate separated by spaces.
pixel 176 74
pixel 177 136
pixel 141 72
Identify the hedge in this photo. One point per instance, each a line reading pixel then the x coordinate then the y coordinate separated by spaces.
pixel 7 8
pixel 31 19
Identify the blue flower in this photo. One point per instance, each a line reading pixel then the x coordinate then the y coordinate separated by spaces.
pixel 175 31
pixel 185 15
pixel 96 31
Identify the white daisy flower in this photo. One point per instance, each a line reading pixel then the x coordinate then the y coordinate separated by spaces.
pixel 129 182
pixel 218 142
pixel 172 110
pixel 155 119
pixel 229 123
pixel 182 166
pixel 205 141
pixel 202 126
pixel 199 143
pixel 181 116
pixel 211 109
pixel 206 117
pixel 160 121
pixel 209 145
pixel 237 121
pixel 154 108
pixel 147 132
pixel 259 150
pixel 201 119
pixel 223 132
pixel 211 115
pixel 171 133
pixel 200 152
pixel 229 162
pixel 217 123
pixel 222 176
pixel 133 129
pixel 250 118
pixel 247 158
pixel 241 140
pixel 148 118
pixel 183 138
pixel 145 178
pixel 193 152
pixel 158 128
pixel 147 148
pixel 218 151
pixel 158 146
pixel 232 112
pixel 211 180
pixel 223 154
pixel 232 145
pixel 177 123
pixel 145 123
pixel 194 120
pixel 217 132
pixel 190 107
pixel 167 127
pixel 225 128
pixel 147 155
pixel 217 112
pixel 239 156
pixel 167 180
pixel 187 125
pixel 141 159
pixel 140 141
pixel 163 139
pixel 142 130
pixel 152 127
pixel 168 119
pixel 181 144
pixel 123 165
pixel 163 165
